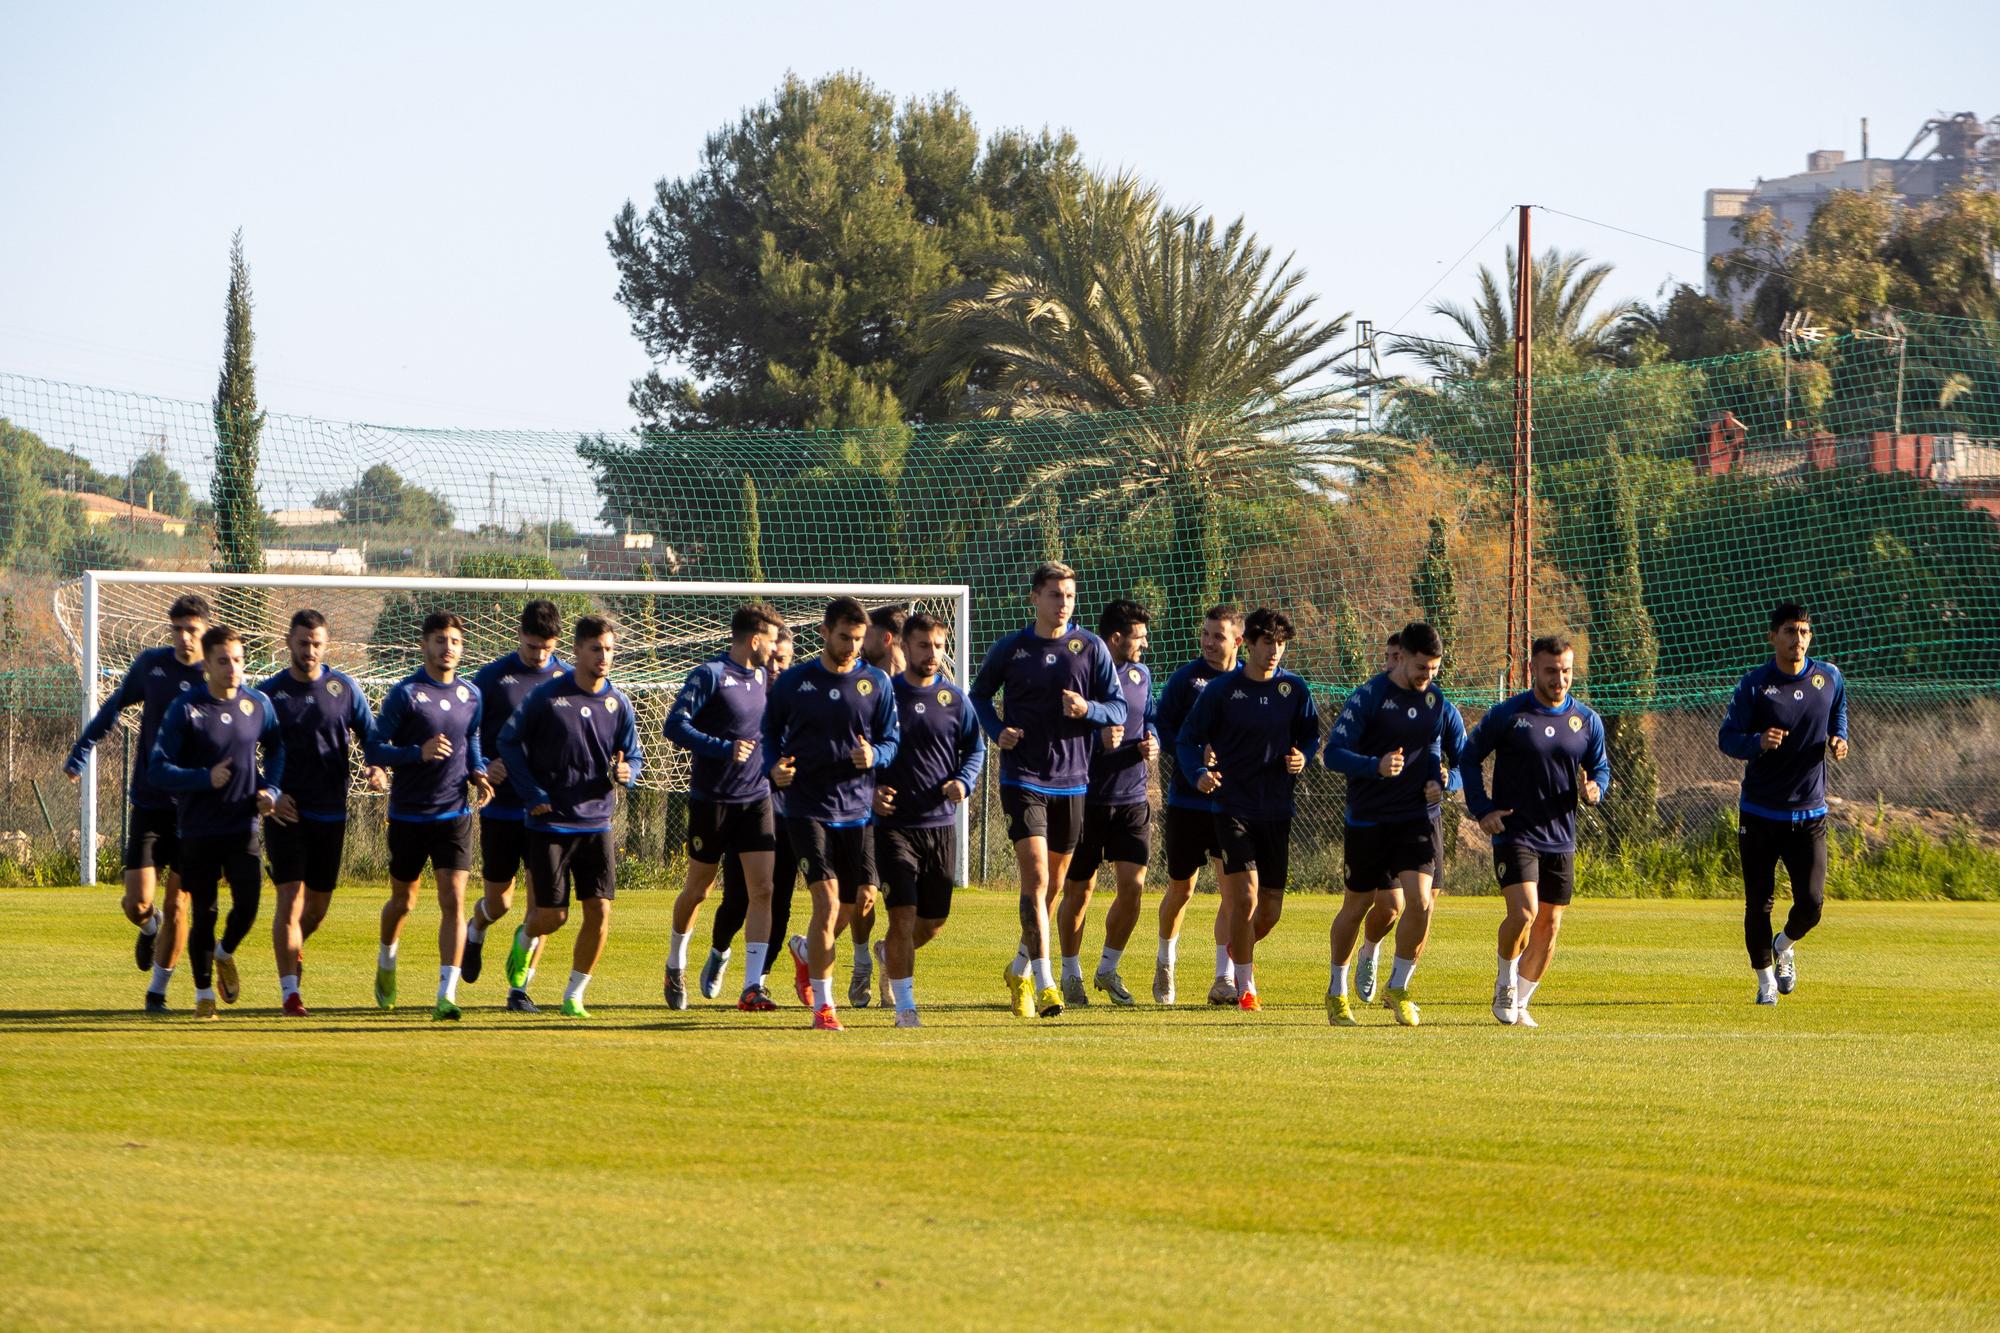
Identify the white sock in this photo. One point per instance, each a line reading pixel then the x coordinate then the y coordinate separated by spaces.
pixel 205 993
pixel 288 986
pixel 677 952
pixel 1246 979
pixel 1767 978
pixel 475 926
pixel 1399 972
pixel 904 989
pixel 1072 966
pixel 385 957
pixel 223 955
pixel 151 925
pixel 1019 967
pixel 1782 943
pixel 577 981
pixel 822 992
pixel 754 964
pixel 1044 978
pixel 1510 971
pixel 161 976
pixel 1374 951
pixel 1108 964
pixel 1338 984
pixel 448 983
pixel 1169 953
pixel 1222 963
pixel 1527 992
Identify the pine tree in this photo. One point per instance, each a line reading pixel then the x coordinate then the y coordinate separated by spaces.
pixel 1436 590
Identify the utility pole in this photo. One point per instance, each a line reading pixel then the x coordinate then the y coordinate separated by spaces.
pixel 1520 548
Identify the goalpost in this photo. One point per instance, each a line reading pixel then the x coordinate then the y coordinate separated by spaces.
pixel 666 627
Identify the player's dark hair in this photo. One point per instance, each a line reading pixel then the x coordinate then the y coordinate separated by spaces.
pixel 593 627
pixel 890 618
pixel 215 634
pixel 1421 640
pixel 1396 640
pixel 845 611
pixel 784 632
pixel 752 617
pixel 1225 613
pixel 190 604
pixel 1265 623
pixel 307 619
pixel 1050 571
pixel 442 620
pixel 1789 613
pixel 923 622
pixel 1119 617
pixel 540 619
pixel 1550 645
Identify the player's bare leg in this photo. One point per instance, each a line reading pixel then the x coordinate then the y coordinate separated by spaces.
pixel 1515 924
pixel 700 878
pixel 1535 959
pixel 1382 918
pixel 1239 904
pixel 1120 920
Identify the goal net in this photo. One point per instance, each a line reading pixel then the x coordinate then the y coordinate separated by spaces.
pixel 665 629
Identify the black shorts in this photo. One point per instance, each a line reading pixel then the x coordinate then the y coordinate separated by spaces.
pixel 306 851
pixel 1190 841
pixel 1264 845
pixel 446 844
pixel 1378 853
pixel 152 840
pixel 716 828
pixel 843 855
pixel 206 860
pixel 1552 873
pixel 916 867
pixel 502 844
pixel 1111 833
pixel 561 862
pixel 1033 814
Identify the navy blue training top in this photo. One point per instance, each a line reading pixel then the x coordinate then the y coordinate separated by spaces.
pixel 1381 716
pixel 416 709
pixel 1788 783
pixel 940 740
pixel 1118 777
pixel 1251 725
pixel 155 679
pixel 560 745
pixel 815 717
pixel 1537 751
pixel 721 703
pixel 1176 702
pixel 317 717
pixel 1053 754
pixel 198 732
pixel 502 684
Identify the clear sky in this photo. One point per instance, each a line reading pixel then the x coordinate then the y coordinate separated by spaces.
pixel 424 188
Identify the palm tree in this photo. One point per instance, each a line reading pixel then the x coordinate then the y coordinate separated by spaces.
pixel 1177 363
pixel 1564 283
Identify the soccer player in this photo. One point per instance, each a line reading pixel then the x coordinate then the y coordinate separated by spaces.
pixel 1250 735
pixel 206 754
pixel 1388 906
pixel 1117 814
pixel 1189 817
pixel 718 716
pixel 1549 756
pixel 734 909
pixel 568 748
pixel 1786 719
pixel 829 725
pixel 1391 740
pixel 318 710
pixel 502 684
pixel 882 648
pixel 917 797
pixel 156 678
pixel 1061 689
pixel 427 736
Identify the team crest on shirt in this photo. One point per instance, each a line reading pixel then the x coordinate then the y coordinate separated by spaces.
pixel 944 697
pixel 586 710
pixel 1818 681
pixel 1430 701
pixel 1285 688
pixel 333 687
pixel 1132 674
pixel 243 707
pixel 864 688
pixel 920 708
pixel 1798 694
pixel 463 694
pixel 695 842
pixel 611 704
pixel 1076 645
pixel 1576 724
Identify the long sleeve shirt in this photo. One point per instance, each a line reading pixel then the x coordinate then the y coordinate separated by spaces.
pixel 1537 752
pixel 199 732
pixel 1176 702
pixel 1252 725
pixel 1379 717
pixel 317 718
pixel 560 746
pixel 816 717
pixel 939 741
pixel 503 684
pixel 719 704
pixel 1118 777
pixel 416 709
pixel 1053 755
pixel 155 679
pixel 1788 783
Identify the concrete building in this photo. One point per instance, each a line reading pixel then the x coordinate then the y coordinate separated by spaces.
pixel 1963 148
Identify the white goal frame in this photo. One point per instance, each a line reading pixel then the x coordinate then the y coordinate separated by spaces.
pixel 86 643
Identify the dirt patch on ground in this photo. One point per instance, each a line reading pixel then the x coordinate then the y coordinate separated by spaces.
pixel 1699 804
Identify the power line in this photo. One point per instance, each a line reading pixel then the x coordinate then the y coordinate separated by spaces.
pixel 1477 242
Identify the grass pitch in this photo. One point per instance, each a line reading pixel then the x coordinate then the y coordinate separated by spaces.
pixel 1660 1152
